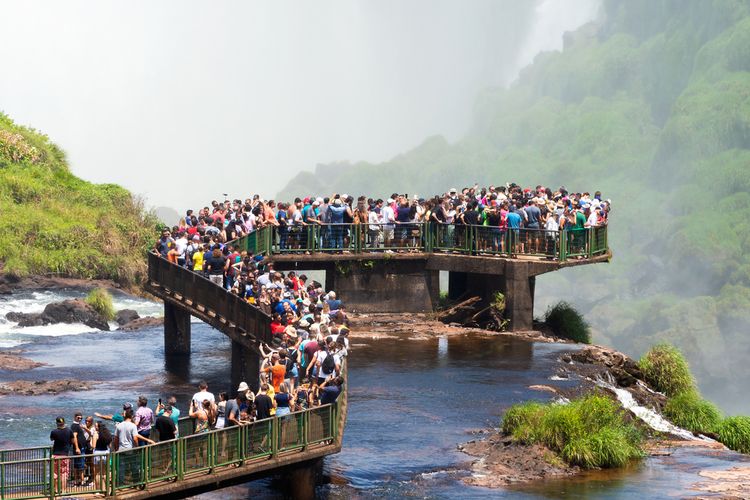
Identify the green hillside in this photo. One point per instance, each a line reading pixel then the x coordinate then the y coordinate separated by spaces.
pixel 54 222
pixel 651 105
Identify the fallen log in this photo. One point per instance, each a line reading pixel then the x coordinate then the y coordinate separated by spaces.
pixel 459 312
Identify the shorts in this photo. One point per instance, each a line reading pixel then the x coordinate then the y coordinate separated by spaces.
pixel 62 465
pixel 79 461
pixel 100 456
pixel 217 279
pixel 387 233
pixel 282 410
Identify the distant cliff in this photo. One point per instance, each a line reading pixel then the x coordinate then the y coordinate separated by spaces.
pixel 53 222
pixel 651 105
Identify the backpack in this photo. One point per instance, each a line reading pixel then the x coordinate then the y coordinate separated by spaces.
pixel 328 364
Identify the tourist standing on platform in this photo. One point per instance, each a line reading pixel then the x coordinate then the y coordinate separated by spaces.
pixel 62 440
pixel 144 417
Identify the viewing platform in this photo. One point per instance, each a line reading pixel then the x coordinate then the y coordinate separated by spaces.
pixel 403 275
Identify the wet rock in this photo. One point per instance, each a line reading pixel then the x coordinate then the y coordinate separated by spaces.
pixel 623 378
pixel 140 323
pixel 13 362
pixel 67 311
pixel 39 387
pixel 126 316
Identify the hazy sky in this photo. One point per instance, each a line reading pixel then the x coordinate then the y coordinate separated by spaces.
pixel 182 101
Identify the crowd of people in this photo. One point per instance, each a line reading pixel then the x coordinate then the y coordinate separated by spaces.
pixel 390 224
pixel 302 369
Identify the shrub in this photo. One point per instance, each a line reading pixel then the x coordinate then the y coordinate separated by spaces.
pixel 590 431
pixel 734 432
pixel 607 447
pixel 689 411
pixel 101 301
pixel 568 323
pixel 665 368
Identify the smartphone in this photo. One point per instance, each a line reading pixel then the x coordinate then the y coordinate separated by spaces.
pixel 159 400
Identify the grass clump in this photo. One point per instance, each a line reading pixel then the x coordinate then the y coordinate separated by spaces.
pixel 690 411
pixel 666 370
pixel 566 322
pixel 734 432
pixel 590 431
pixel 101 301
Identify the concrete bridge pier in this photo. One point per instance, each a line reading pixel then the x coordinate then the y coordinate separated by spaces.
pixel 299 480
pixel 385 285
pixel 176 330
pixel 516 283
pixel 245 367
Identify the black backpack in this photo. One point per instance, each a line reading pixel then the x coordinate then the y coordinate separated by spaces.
pixel 328 364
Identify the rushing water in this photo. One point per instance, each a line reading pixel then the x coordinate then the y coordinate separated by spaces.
pixel 411 403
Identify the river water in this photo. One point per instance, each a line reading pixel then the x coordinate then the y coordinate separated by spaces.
pixel 411 403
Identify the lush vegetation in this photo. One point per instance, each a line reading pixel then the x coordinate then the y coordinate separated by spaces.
pixel 591 431
pixel 566 322
pixel 690 411
pixel 666 370
pixel 650 105
pixel 734 432
pixel 54 222
pixel 101 301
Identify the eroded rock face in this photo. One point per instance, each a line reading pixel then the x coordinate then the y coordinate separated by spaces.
pixel 67 311
pixel 139 323
pixel 126 316
pixel 39 387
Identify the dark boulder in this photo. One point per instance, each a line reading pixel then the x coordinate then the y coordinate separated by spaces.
pixel 126 316
pixel 67 311
pixel 74 311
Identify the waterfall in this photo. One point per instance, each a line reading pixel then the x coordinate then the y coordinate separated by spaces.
pixel 552 19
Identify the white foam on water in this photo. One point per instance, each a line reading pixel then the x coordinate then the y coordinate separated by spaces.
pixel 647 415
pixel 557 377
pixel 11 335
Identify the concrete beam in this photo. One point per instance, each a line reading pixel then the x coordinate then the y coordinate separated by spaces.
pixel 176 330
pixel 245 367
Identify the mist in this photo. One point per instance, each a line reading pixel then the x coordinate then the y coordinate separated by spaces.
pixel 183 101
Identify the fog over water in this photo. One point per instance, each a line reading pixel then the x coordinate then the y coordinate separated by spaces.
pixel 183 101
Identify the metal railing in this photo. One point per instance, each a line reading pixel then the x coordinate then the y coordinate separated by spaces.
pixel 200 290
pixel 36 473
pixel 428 237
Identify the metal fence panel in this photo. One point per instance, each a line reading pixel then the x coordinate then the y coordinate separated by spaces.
pixel 319 424
pixel 228 445
pixel 291 433
pixel 196 451
pixel 25 478
pixel 258 439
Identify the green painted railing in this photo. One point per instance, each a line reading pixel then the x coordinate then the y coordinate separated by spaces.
pixel 35 473
pixel 427 237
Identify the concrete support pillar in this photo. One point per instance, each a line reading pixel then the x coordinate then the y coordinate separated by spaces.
pixel 300 479
pixel 519 296
pixel 385 286
pixel 245 367
pixel 176 330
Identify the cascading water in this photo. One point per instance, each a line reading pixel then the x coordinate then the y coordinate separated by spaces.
pixel 647 415
pixel 552 19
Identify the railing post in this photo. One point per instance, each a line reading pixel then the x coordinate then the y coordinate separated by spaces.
pixel 52 483
pixel 563 245
pixel 274 436
pixel 180 466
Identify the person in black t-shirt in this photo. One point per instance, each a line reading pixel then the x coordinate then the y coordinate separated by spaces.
pixel 62 438
pixel 263 403
pixel 164 425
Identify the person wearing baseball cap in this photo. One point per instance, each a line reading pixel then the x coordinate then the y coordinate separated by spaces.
pixel 62 439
